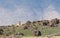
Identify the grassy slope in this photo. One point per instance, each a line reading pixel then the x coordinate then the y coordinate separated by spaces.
pixel 44 31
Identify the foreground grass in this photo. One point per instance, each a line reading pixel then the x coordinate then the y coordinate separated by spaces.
pixel 50 30
pixel 45 30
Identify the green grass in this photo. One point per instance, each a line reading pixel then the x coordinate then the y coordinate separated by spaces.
pixel 25 32
pixel 45 30
pixel 49 31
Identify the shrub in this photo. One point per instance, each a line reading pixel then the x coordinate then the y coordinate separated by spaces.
pixel 1 31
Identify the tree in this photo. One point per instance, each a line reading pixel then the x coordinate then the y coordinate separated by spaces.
pixel 28 23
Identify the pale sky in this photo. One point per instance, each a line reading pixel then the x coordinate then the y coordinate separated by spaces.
pixel 12 11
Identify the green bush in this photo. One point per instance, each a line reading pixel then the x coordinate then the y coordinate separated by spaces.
pixel 1 31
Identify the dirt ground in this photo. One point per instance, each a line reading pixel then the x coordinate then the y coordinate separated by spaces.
pixel 43 37
pixel 31 37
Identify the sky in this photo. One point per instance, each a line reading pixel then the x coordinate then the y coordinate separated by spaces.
pixel 12 11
